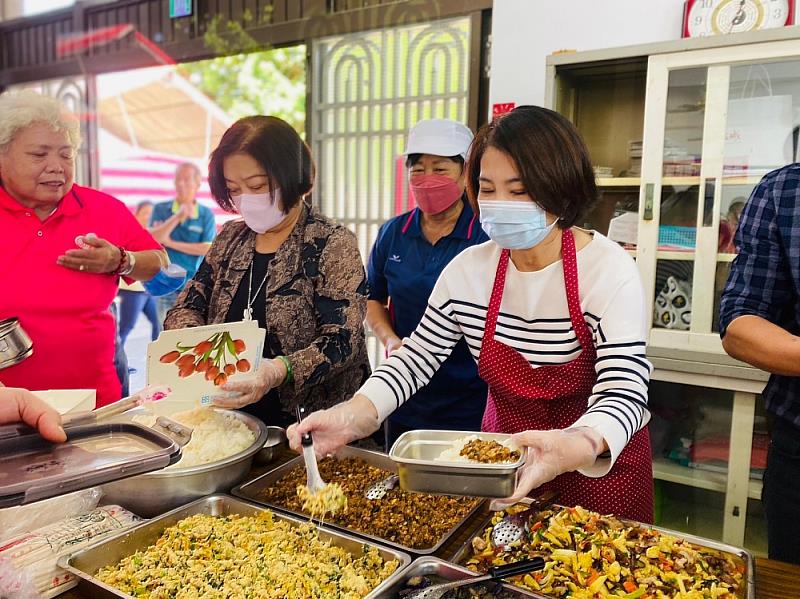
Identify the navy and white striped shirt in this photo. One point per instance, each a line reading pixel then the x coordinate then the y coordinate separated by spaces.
pixel 765 276
pixel 534 320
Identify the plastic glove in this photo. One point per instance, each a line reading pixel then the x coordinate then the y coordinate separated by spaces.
pixel 337 426
pixel 269 375
pixel 392 343
pixel 550 453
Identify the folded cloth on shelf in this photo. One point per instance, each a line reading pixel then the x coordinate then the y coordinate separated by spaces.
pixel 717 449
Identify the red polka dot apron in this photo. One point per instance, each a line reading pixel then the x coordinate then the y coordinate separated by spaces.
pixel 522 398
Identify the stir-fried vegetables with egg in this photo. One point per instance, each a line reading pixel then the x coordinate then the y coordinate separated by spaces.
pixel 244 557
pixel 590 556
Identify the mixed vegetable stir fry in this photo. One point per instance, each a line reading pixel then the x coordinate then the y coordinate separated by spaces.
pixel 590 556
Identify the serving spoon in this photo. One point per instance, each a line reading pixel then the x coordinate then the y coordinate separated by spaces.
pixel 314 481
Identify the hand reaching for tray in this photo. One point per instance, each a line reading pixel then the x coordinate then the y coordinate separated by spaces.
pixel 337 426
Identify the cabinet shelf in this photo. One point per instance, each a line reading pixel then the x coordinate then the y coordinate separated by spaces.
pixel 664 469
pixel 674 181
pixel 680 181
pixel 674 255
pixel 618 181
pixel 740 180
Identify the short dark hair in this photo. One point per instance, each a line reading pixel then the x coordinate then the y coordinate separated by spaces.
pixel 276 146
pixel 551 158
pixel 412 159
pixel 143 204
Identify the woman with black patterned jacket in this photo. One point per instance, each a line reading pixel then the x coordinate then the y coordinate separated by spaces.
pixel 285 265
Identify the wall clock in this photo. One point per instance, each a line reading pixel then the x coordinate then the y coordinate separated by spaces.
pixel 713 17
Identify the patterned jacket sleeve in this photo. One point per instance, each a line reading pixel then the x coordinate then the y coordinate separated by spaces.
pixel 191 309
pixel 340 303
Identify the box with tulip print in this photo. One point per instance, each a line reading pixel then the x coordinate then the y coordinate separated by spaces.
pixel 196 362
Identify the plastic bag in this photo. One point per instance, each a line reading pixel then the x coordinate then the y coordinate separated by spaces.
pixel 25 518
pixel 15 583
pixel 36 553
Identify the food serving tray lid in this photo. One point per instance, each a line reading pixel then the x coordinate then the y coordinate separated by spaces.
pixel 32 469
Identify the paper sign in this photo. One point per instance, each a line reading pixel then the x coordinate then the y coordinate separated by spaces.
pixel 502 108
pixel 195 362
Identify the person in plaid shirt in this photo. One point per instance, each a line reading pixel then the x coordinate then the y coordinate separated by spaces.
pixel 760 325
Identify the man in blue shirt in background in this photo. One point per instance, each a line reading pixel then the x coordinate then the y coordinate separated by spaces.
pixel 760 325
pixel 184 227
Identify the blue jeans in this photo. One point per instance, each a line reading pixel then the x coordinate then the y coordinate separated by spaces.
pixel 120 359
pixel 781 493
pixel 164 303
pixel 133 303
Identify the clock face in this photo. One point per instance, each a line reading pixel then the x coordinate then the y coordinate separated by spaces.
pixel 712 17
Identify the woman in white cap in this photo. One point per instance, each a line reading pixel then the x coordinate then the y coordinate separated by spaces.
pixel 409 254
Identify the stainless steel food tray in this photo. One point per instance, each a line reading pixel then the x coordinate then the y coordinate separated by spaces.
pixel 416 454
pixel 251 490
pixel 462 555
pixel 84 564
pixel 433 566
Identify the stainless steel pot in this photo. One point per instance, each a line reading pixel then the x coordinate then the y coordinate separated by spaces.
pixel 276 441
pixel 15 345
pixel 154 493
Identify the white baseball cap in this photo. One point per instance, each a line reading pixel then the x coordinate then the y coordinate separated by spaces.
pixel 440 137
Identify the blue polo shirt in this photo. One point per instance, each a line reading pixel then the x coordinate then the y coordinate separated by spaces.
pixel 404 266
pixel 201 228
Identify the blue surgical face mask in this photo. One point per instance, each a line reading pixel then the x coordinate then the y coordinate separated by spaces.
pixel 168 279
pixel 514 225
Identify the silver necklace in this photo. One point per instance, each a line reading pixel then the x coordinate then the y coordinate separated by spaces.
pixel 251 297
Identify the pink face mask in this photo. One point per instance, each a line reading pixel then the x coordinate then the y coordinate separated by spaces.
pixel 261 211
pixel 434 193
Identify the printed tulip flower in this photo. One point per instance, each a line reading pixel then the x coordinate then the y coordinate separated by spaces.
pixel 216 358
pixel 170 357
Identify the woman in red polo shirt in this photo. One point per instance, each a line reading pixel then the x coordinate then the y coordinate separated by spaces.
pixel 64 249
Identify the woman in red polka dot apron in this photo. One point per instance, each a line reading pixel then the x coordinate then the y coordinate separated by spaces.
pixel 530 174
pixel 523 398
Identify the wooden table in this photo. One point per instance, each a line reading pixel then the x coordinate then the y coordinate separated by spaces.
pixel 774 580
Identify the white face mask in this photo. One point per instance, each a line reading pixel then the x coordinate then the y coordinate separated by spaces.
pixel 261 211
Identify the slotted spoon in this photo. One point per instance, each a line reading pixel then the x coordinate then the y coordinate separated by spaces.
pixel 497 572
pixel 512 528
pixel 382 487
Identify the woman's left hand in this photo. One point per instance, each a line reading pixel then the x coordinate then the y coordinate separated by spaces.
pixel 550 453
pixel 96 255
pixel 270 374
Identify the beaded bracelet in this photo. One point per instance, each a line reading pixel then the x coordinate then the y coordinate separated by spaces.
pixel 289 374
pixel 123 259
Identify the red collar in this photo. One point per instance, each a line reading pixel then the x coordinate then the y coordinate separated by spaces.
pixel 69 205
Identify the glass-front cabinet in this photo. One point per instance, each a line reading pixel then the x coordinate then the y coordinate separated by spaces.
pixel 680 134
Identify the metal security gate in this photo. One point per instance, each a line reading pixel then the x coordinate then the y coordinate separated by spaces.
pixel 368 89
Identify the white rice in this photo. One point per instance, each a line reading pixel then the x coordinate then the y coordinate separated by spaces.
pixel 216 436
pixel 453 453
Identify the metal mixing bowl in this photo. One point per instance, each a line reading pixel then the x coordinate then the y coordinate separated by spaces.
pixel 154 493
pixel 276 441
